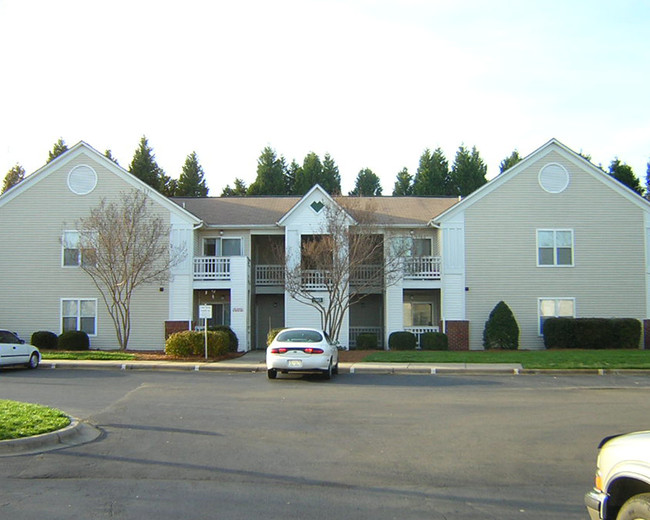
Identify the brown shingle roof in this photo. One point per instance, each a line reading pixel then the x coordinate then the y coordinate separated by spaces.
pixel 266 211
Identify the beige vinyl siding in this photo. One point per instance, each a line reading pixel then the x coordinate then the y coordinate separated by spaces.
pixel 31 226
pixel 608 276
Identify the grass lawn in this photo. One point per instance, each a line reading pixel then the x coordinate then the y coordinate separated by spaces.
pixel 531 359
pixel 101 355
pixel 24 419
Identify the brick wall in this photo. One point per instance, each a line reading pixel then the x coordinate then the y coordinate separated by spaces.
pixel 457 334
pixel 176 326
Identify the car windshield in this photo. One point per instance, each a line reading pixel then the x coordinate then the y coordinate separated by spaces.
pixel 300 336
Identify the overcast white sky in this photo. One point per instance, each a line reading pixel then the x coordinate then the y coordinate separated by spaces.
pixel 373 83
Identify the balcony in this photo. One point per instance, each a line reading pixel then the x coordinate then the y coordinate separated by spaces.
pixel 212 268
pixel 423 268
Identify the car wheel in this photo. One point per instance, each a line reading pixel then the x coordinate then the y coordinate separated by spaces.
pixel 33 360
pixel 636 508
pixel 335 370
pixel 327 374
pixel 272 373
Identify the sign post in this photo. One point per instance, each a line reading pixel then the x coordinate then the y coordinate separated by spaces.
pixel 205 313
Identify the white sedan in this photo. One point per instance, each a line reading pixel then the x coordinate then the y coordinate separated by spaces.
pixel 14 351
pixel 302 350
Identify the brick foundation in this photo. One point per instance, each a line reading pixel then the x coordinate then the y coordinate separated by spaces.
pixel 176 326
pixel 457 334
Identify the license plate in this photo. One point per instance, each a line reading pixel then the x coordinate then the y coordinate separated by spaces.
pixel 295 363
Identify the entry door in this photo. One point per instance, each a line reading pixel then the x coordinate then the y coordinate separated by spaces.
pixel 269 315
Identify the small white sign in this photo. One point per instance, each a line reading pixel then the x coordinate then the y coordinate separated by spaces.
pixel 205 312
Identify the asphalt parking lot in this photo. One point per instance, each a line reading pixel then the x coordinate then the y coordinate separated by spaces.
pixel 236 445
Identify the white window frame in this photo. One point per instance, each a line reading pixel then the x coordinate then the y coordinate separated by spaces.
pixel 219 245
pixel 556 314
pixel 78 314
pixel 72 237
pixel 555 247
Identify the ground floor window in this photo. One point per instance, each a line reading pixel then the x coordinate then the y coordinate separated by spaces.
pixel 555 308
pixel 417 314
pixel 220 315
pixel 78 314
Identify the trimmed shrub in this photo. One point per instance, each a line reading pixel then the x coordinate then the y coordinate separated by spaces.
pixel 367 341
pixel 44 339
pixel 189 343
pixel 234 341
pixel 501 329
pixel 434 341
pixel 402 340
pixel 74 340
pixel 592 333
pixel 560 333
pixel 272 334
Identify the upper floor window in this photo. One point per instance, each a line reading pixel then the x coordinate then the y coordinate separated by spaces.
pixel 73 253
pixel 412 247
pixel 222 246
pixel 554 247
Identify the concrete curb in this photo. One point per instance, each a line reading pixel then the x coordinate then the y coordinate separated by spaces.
pixel 76 433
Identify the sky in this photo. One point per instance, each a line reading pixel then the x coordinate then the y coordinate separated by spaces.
pixel 372 83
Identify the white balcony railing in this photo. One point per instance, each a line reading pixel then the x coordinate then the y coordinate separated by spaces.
pixel 269 275
pixel 422 268
pixel 212 268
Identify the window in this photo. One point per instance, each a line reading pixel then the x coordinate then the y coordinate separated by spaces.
pixel 412 247
pixel 73 254
pixel 555 308
pixel 418 314
pixel 220 315
pixel 554 247
pixel 222 247
pixel 79 315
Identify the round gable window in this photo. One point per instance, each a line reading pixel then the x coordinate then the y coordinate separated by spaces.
pixel 82 179
pixel 554 178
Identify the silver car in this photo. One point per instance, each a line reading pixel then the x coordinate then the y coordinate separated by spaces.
pixel 14 351
pixel 302 350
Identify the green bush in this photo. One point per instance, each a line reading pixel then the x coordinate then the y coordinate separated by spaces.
pixel 501 329
pixel 434 341
pixel 367 341
pixel 592 333
pixel 45 339
pixel 272 334
pixel 233 340
pixel 402 340
pixel 560 333
pixel 74 340
pixel 191 344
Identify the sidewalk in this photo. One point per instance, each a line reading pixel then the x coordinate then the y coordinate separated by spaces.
pixel 254 361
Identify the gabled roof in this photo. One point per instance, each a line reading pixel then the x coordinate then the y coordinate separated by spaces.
pixel 269 211
pixel 564 151
pixel 71 154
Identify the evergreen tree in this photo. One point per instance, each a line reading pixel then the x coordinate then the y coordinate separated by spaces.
pixel 501 329
pixel 509 161
pixel 331 178
pixel 647 181
pixel 290 177
pixel 270 175
pixel 625 175
pixel 191 182
pixel 432 176
pixel 59 148
pixel 311 173
pixel 240 189
pixel 145 168
pixel 367 184
pixel 13 177
pixel 109 155
pixel 468 172
pixel 403 184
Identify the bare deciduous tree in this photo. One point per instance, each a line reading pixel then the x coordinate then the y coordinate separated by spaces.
pixel 345 260
pixel 125 245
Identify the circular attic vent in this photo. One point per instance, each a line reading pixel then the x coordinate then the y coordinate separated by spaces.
pixel 554 178
pixel 82 179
